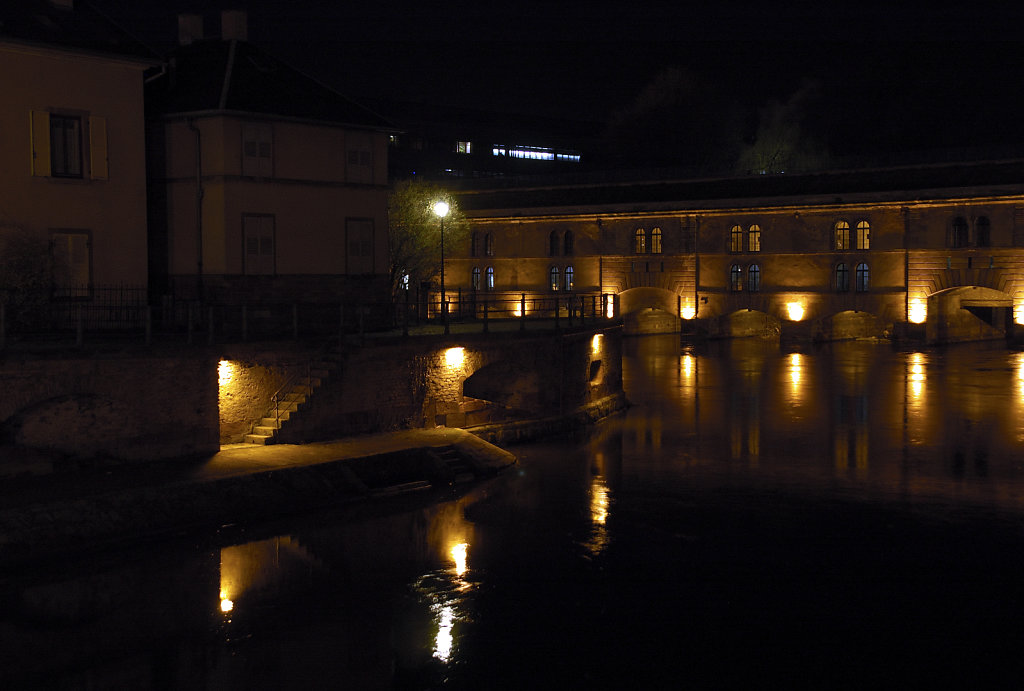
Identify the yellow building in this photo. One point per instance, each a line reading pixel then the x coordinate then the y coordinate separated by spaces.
pixel 267 185
pixel 72 141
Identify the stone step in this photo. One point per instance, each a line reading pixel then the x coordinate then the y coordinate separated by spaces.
pixel 261 439
pixel 274 422
pixel 265 430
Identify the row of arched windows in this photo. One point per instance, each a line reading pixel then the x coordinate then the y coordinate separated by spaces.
pixel 752 280
pixel 478 244
pixel 753 236
pixel 566 277
pixel 640 241
pixel 843 239
pixel 565 242
pixel 960 233
pixel 489 277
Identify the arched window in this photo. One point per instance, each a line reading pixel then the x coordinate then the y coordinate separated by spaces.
pixel 553 244
pixel 863 235
pixel 489 245
pixel 863 277
pixel 736 239
pixel 568 278
pixel 476 278
pixel 958 233
pixel 982 232
pixel 554 277
pixel 473 240
pixel 754 278
pixel 754 238
pixel 567 244
pixel 842 236
pixel 842 277
pixel 639 241
pixel 735 278
pixel 656 241
pixel 490 278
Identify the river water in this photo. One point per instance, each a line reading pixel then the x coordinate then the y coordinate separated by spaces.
pixel 849 516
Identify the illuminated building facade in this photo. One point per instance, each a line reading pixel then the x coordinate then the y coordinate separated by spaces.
pixel 72 144
pixel 265 184
pixel 934 252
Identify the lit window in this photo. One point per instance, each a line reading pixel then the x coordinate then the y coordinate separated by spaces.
pixel 65 146
pixel 863 235
pixel 464 148
pixel 842 278
pixel 403 284
pixel 554 278
pixel 490 278
pixel 863 277
pixel 656 241
pixel 568 278
pixel 736 239
pixel 982 232
pixel 735 278
pixel 476 278
pixel 639 241
pixel 754 238
pixel 842 235
pixel 958 235
pixel 754 278
pixel 568 242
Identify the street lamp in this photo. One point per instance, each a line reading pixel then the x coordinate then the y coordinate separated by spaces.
pixel 441 210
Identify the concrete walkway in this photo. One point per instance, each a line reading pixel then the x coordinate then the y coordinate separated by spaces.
pixel 45 516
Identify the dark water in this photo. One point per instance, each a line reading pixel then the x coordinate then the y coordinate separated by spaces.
pixel 849 517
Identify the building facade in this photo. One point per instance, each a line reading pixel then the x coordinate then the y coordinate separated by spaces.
pixel 266 185
pixel 935 251
pixel 73 148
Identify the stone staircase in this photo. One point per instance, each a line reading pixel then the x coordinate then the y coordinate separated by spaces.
pixel 292 397
pixel 453 466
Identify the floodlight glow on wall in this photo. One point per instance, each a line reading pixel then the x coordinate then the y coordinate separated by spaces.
pixel 688 312
pixel 454 357
pixel 918 312
pixel 795 311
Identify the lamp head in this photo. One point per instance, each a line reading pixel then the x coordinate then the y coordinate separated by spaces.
pixel 441 208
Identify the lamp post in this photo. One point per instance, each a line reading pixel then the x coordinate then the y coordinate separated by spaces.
pixel 441 210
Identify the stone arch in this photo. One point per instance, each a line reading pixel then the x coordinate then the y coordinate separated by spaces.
pixel 848 325
pixel 648 310
pixel 745 323
pixel 968 313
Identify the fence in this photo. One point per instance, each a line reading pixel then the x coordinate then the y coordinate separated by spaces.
pixel 101 313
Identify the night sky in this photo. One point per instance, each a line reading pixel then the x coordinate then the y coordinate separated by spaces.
pixel 947 76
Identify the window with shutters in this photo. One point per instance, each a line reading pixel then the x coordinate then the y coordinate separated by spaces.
pixel 259 251
pixel 63 143
pixel 359 240
pixel 257 150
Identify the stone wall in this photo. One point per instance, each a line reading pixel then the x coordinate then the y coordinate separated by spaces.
pixel 126 408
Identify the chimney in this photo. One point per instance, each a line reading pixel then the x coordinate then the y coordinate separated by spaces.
pixel 234 25
pixel 190 28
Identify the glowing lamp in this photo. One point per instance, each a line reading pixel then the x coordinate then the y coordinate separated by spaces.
pixel 688 313
pixel 795 310
pixel 225 372
pixel 441 209
pixel 918 311
pixel 595 343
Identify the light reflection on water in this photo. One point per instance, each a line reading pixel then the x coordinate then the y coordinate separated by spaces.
pixel 754 507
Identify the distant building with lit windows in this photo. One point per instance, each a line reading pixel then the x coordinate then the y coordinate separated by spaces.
pixel 933 252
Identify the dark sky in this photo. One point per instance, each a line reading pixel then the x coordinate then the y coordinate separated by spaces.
pixel 939 67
